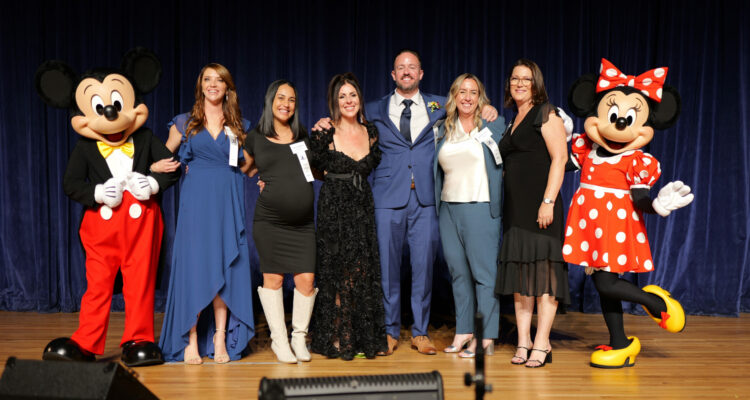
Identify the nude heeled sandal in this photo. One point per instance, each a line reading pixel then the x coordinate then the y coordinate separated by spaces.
pixel 217 359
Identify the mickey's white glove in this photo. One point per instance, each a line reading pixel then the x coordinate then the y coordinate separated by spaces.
pixel 141 186
pixel 567 123
pixel 672 196
pixel 109 193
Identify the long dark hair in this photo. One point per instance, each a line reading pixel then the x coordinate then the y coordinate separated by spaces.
pixel 334 87
pixel 265 125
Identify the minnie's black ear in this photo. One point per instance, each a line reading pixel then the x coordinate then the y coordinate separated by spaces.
pixel 664 114
pixel 582 95
pixel 54 81
pixel 143 68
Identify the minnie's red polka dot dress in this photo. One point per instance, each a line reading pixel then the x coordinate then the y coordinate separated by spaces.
pixel 604 230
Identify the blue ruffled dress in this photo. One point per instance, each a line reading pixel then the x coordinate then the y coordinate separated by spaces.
pixel 210 253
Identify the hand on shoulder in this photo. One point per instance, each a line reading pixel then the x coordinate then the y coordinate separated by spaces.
pixel 322 124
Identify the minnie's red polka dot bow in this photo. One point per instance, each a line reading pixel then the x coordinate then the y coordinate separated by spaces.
pixel 649 82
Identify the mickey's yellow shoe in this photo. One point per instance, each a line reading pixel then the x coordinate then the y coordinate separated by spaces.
pixel 606 357
pixel 674 319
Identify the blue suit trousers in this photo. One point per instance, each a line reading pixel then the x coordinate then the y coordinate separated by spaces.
pixel 417 226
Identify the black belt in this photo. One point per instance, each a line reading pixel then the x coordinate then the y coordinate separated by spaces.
pixel 355 177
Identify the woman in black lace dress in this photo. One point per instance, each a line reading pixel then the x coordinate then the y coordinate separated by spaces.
pixel 348 318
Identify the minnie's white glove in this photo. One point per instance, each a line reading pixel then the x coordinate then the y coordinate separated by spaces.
pixel 109 193
pixel 672 196
pixel 141 186
pixel 567 123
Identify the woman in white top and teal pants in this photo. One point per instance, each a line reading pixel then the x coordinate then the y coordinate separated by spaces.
pixel 468 183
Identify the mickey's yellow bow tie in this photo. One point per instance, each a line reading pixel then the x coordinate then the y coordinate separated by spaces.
pixel 127 148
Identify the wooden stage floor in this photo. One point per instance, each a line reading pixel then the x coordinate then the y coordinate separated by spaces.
pixel 709 360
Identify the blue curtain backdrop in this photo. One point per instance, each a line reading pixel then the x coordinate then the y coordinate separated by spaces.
pixel 701 252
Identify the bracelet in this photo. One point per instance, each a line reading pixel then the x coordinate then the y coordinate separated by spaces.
pixel 548 201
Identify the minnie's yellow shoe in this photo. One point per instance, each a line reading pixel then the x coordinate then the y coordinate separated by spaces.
pixel 606 357
pixel 674 319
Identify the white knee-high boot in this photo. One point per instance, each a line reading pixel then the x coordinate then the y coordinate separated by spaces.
pixel 273 307
pixel 303 308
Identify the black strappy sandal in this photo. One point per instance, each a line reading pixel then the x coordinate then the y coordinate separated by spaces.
pixel 524 359
pixel 547 358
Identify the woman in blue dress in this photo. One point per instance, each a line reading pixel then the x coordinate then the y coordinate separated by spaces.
pixel 210 275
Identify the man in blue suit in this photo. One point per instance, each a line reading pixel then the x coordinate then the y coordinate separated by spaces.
pixel 403 189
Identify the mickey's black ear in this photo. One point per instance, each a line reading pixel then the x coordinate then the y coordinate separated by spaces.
pixel 665 113
pixel 582 95
pixel 54 81
pixel 143 67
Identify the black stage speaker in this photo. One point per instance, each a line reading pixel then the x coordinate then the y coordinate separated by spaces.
pixel 33 379
pixel 371 387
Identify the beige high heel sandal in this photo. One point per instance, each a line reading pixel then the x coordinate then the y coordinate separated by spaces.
pixel 223 359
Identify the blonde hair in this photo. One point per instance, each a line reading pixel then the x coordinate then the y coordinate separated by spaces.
pixel 451 112
pixel 230 106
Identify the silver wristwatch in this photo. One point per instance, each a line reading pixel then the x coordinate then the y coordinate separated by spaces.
pixel 548 201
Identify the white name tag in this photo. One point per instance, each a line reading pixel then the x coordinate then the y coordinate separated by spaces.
pixel 299 149
pixel 233 146
pixel 485 136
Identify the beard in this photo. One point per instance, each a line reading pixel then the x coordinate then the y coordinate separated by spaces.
pixel 407 88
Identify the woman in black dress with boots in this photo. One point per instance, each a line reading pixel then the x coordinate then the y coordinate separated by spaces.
pixel 283 227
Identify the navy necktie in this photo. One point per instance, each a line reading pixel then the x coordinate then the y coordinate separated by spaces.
pixel 405 122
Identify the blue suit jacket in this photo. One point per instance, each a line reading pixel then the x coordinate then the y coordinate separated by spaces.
pixel 494 171
pixel 392 178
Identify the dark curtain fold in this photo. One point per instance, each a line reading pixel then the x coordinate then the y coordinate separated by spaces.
pixel 700 253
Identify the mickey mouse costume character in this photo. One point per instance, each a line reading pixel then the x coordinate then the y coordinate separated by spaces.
pixel 108 172
pixel 605 228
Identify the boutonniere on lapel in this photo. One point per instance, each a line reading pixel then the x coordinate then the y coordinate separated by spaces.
pixel 434 106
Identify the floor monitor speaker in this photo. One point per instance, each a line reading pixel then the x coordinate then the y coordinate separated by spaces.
pixel 424 386
pixel 35 379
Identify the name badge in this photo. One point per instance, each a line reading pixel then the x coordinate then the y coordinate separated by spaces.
pixel 299 149
pixel 485 136
pixel 233 146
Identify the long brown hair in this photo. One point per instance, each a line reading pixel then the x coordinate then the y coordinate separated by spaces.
pixel 538 92
pixel 333 96
pixel 451 114
pixel 230 106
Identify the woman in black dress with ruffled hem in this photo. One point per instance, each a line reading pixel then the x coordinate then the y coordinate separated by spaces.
pixel 531 266
pixel 348 316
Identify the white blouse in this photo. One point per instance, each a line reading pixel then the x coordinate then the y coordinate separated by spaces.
pixel 465 174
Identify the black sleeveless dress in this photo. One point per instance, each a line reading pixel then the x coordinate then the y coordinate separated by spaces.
pixel 283 226
pixel 348 262
pixel 530 261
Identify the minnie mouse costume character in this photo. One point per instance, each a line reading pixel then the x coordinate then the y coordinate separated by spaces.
pixel 108 172
pixel 605 228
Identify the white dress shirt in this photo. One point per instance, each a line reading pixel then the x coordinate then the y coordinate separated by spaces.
pixel 119 164
pixel 419 117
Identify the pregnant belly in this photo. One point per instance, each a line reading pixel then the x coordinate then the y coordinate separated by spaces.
pixel 286 204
